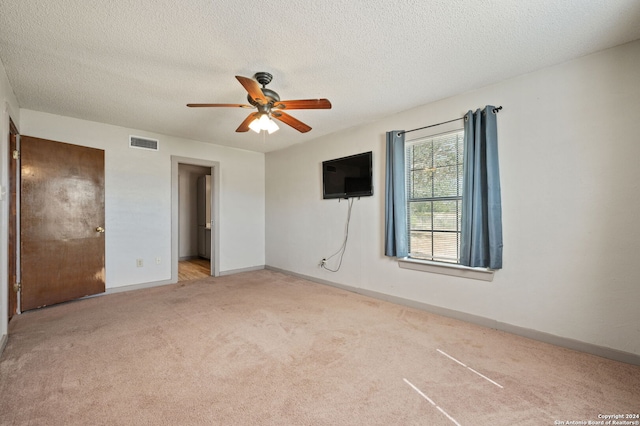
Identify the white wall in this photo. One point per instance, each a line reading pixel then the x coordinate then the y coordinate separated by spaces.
pixel 138 196
pixel 9 109
pixel 569 149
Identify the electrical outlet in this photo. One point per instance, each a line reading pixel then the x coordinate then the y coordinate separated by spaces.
pixel 139 263
pixel 322 263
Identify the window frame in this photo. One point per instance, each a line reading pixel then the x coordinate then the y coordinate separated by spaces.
pixel 435 256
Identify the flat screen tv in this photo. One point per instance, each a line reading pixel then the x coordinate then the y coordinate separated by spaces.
pixel 348 177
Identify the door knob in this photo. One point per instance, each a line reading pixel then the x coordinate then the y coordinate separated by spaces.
pixel 100 229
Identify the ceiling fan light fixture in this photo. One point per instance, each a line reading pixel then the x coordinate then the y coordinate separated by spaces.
pixel 263 123
pixel 272 126
pixel 255 125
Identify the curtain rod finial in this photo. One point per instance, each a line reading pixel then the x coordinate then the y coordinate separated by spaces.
pixel 497 110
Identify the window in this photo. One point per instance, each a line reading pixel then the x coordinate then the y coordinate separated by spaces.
pixel 434 196
pixel 429 181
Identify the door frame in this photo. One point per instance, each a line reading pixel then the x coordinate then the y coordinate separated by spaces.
pixel 7 113
pixel 215 212
pixel 13 254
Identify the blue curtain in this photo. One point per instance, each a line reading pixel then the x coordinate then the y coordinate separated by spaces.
pixel 481 244
pixel 396 238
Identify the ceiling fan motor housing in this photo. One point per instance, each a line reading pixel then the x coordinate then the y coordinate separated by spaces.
pixel 272 97
pixel 265 78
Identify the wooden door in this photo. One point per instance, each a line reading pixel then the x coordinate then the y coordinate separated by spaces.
pixel 62 220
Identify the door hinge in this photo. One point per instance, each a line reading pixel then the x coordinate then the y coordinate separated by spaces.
pixel 17 287
pixel 16 154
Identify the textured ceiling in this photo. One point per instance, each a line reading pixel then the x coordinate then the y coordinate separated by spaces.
pixel 137 63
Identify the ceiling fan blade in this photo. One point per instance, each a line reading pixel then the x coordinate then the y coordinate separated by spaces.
pixel 253 88
pixel 244 126
pixel 219 105
pixel 293 122
pixel 304 104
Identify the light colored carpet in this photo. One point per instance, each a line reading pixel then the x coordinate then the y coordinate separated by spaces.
pixel 267 348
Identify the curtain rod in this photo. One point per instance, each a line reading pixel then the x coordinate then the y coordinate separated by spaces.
pixel 495 111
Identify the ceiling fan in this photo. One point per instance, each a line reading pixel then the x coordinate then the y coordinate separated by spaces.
pixel 269 106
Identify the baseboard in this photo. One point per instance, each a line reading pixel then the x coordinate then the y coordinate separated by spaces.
pixel 541 336
pixel 3 343
pixel 183 258
pixel 575 345
pixel 132 287
pixel 237 271
pixel 141 286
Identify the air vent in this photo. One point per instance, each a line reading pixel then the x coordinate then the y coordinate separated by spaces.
pixel 144 143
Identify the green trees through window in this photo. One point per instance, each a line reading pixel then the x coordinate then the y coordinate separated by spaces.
pixel 434 196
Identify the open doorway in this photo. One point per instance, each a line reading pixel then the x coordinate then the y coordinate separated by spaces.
pixel 194 222
pixel 195 227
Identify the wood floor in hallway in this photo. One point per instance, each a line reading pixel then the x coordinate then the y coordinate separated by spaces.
pixel 193 269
